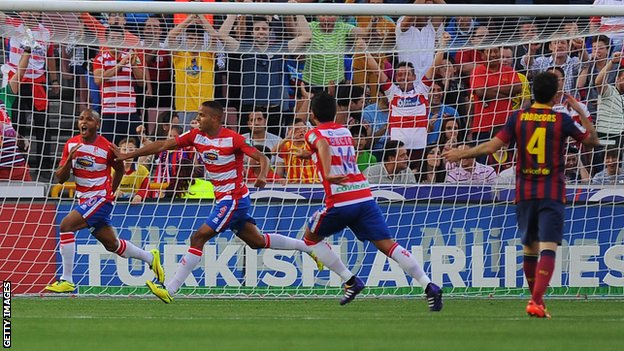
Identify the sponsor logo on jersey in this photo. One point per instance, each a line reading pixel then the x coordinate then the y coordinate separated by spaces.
pixel 409 102
pixel 85 161
pixel 210 156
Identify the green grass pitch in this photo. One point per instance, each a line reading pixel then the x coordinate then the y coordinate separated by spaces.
pixel 112 324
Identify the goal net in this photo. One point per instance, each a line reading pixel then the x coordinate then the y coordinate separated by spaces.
pixel 432 83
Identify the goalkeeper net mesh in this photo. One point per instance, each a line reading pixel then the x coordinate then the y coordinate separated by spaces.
pixel 464 77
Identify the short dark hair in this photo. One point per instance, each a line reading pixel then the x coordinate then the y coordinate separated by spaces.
pixel 358 130
pixel 545 86
pixel 345 94
pixel 404 64
pixel 214 106
pixel 391 148
pixel 128 141
pixel 323 107
pixel 613 151
pixel 556 68
pixel 602 38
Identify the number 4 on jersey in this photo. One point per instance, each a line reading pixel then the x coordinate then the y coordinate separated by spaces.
pixel 537 144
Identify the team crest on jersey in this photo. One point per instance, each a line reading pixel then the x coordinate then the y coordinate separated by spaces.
pixel 222 211
pixel 85 162
pixel 210 156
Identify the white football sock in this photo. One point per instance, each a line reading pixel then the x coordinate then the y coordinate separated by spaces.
pixel 408 263
pixel 68 251
pixel 281 242
pixel 185 267
pixel 328 257
pixel 128 250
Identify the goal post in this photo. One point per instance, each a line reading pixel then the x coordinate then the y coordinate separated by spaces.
pixel 263 63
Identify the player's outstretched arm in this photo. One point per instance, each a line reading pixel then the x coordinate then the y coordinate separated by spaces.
pixel 150 149
pixel 454 155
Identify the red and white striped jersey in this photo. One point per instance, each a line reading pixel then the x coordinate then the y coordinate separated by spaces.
pixel 117 91
pixel 343 162
pixel 409 113
pixel 223 158
pixel 36 65
pixel 92 167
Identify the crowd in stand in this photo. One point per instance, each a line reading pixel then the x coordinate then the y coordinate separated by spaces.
pixel 409 88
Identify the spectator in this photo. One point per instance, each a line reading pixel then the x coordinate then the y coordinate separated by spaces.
pixel 527 36
pixel 135 182
pixel 253 168
pixel 461 29
pixel 408 100
pixel 168 162
pixel 194 65
pixel 611 24
pixel 394 168
pixel 451 134
pixel 325 66
pixel 159 65
pixel 12 163
pixel 361 143
pixel 114 70
pixel 295 169
pixel 180 182
pixel 612 173
pixel 469 171
pixel 456 93
pixel 524 97
pixel 75 67
pixel 415 41
pixel 349 104
pixel 432 170
pixel 560 56
pixel 493 85
pixel 112 19
pixel 437 113
pixel 381 39
pixel 29 111
pixel 259 136
pixel 561 99
pixel 261 65
pixel 586 82
pixel 468 59
pixel 610 118
pixel 376 117
pixel 575 171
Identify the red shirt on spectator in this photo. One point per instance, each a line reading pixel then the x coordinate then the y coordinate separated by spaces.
pixel 493 112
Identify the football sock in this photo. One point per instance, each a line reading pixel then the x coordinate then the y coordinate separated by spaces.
pixel 281 242
pixel 408 263
pixel 68 251
pixel 127 249
pixel 328 257
pixel 185 267
pixel 543 273
pixel 529 265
